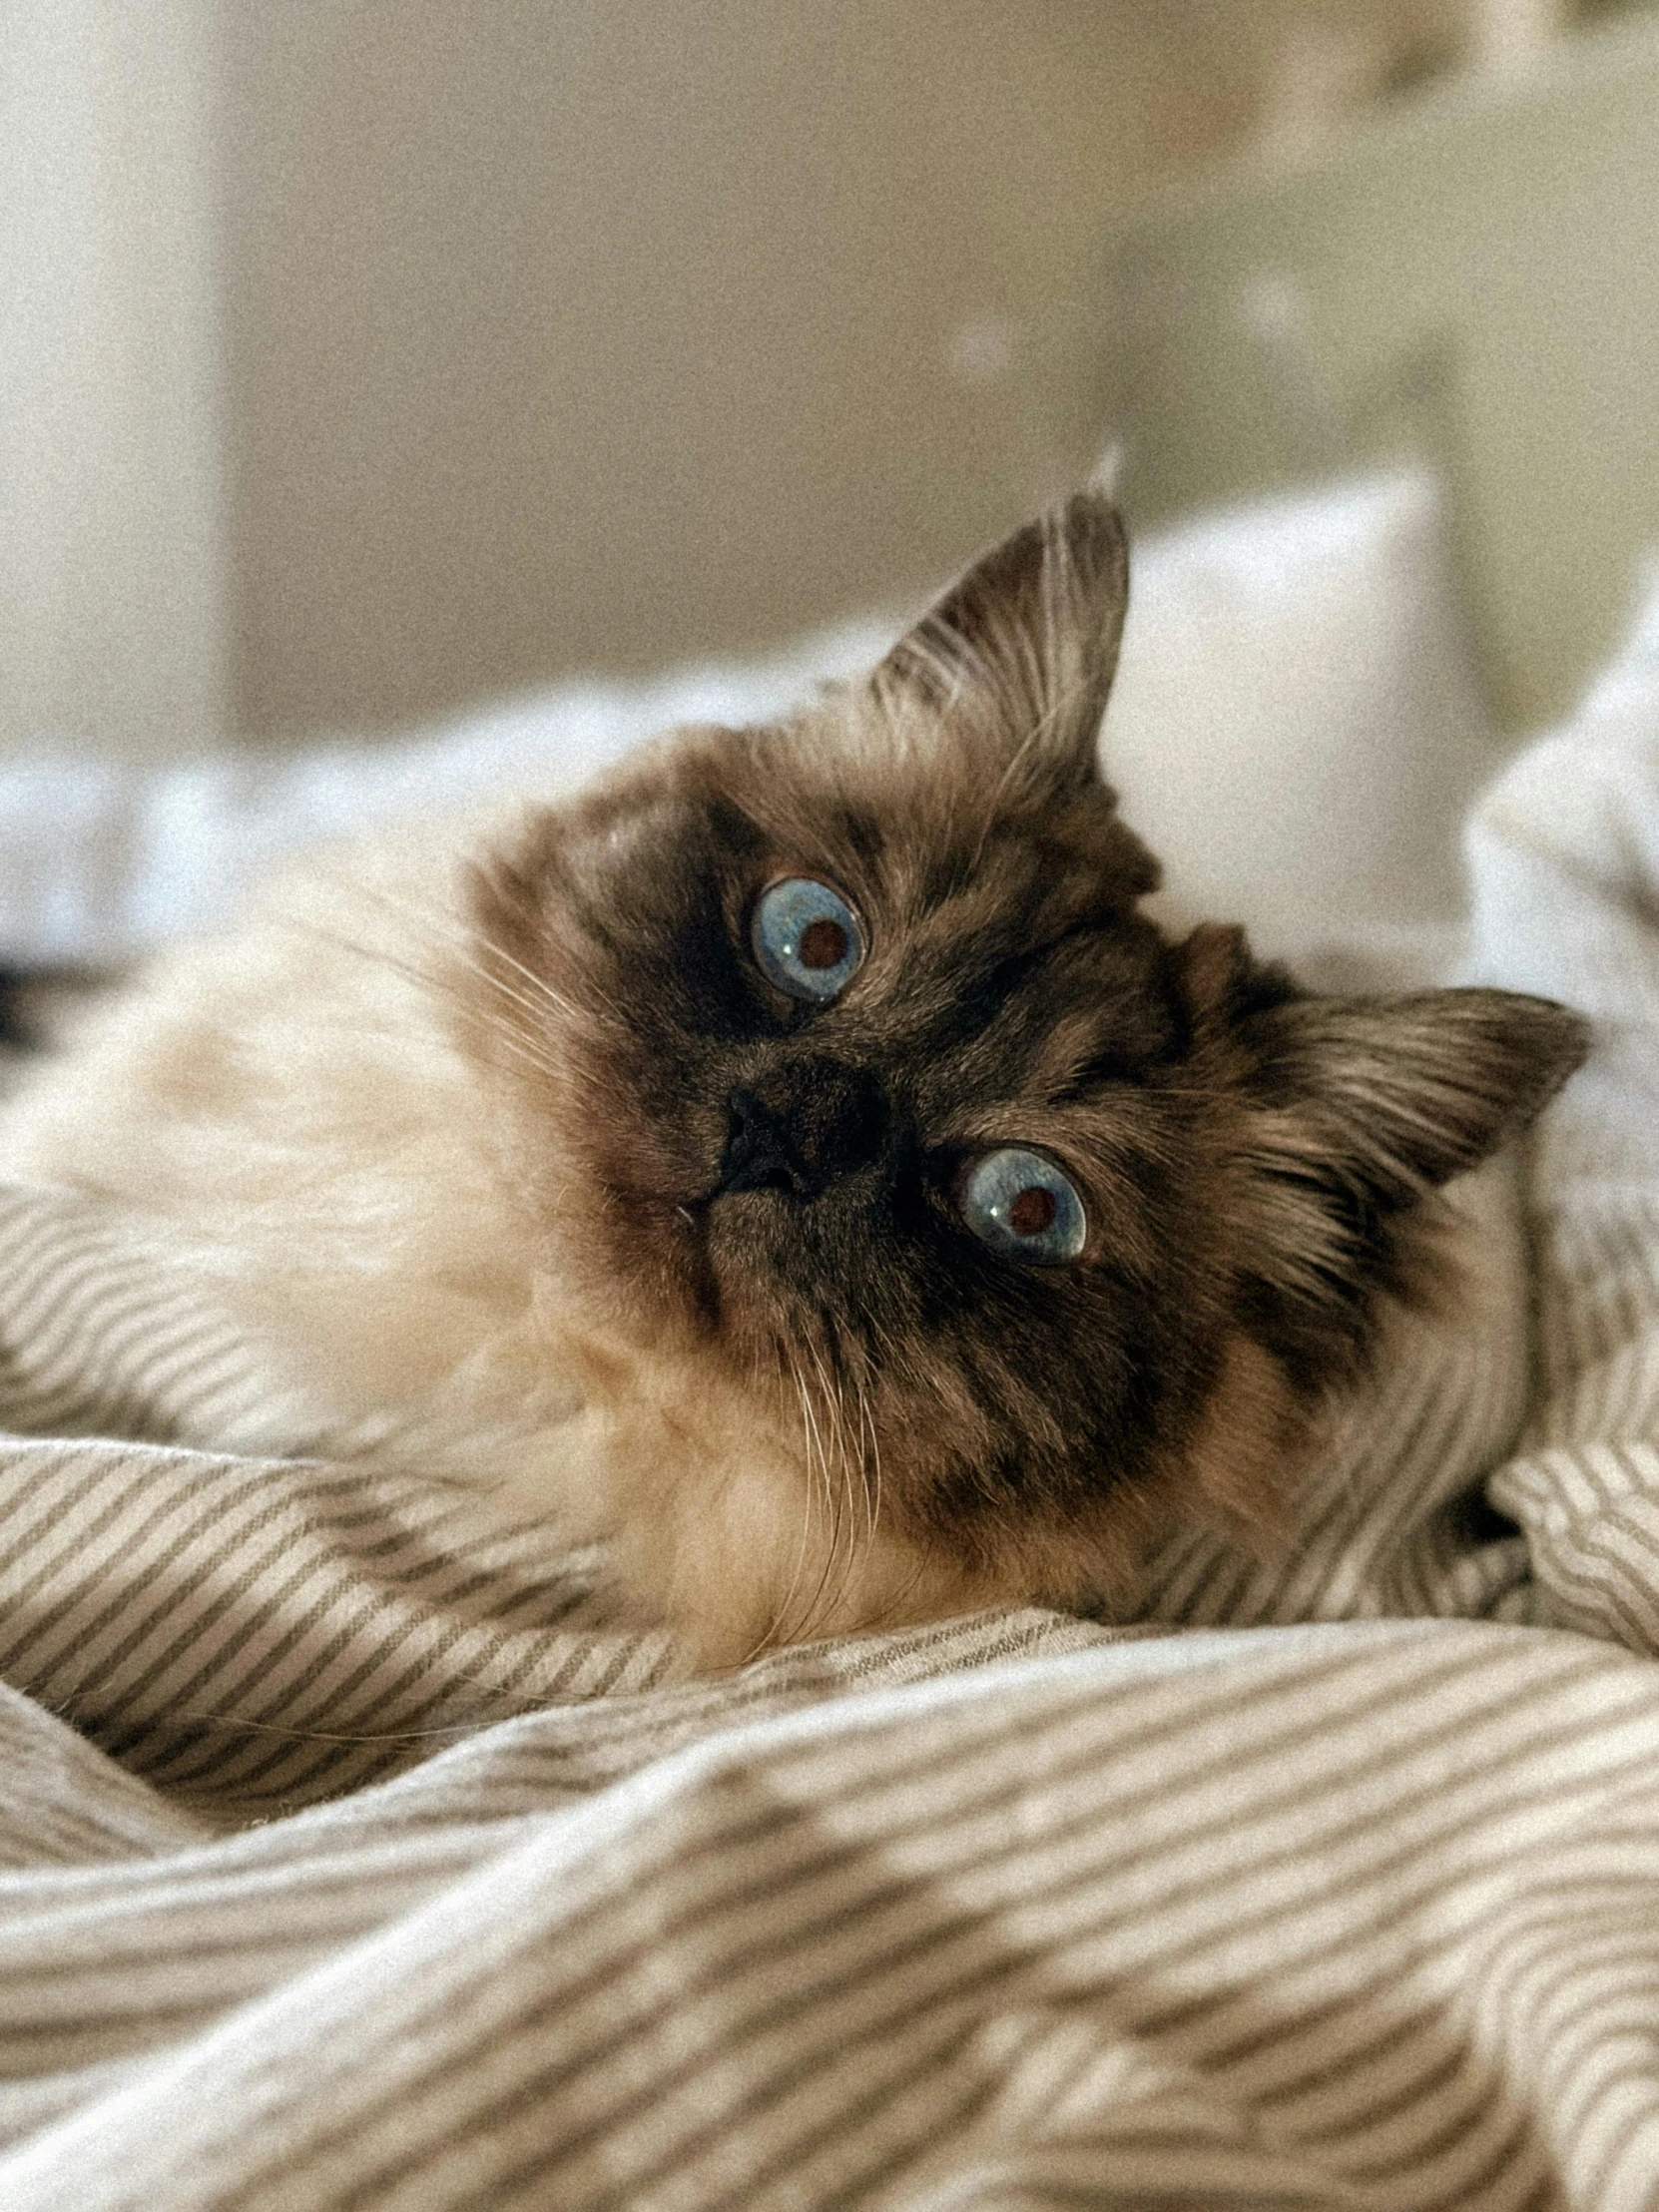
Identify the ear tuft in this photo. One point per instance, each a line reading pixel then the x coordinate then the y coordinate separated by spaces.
pixel 1220 981
pixel 1401 1094
pixel 1024 645
pixel 1361 1108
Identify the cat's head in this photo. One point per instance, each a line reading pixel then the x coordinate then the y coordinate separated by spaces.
pixel 844 1061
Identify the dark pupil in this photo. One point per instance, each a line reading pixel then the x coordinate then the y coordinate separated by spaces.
pixel 1032 1212
pixel 822 944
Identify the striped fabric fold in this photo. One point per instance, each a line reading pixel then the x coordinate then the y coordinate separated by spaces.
pixel 352 1858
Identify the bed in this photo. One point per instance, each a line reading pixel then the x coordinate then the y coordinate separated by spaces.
pixel 355 1859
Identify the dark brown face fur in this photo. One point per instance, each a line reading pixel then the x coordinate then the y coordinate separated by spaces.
pixel 1250 1159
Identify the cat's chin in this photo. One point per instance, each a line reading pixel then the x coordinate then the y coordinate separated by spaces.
pixel 737 1528
pixel 743 1528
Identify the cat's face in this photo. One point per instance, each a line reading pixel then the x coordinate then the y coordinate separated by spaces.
pixel 843 1058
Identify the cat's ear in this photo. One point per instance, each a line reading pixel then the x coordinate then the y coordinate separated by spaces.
pixel 1023 646
pixel 1358 1107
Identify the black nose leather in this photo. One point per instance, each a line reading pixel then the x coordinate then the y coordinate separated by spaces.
pixel 801 1126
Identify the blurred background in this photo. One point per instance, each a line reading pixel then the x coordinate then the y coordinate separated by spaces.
pixel 362 359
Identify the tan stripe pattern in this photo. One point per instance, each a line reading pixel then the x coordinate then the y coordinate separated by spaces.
pixel 350 1859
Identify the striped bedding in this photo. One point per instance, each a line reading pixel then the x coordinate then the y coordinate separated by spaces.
pixel 352 1859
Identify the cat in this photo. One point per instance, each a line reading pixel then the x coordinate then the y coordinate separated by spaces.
pixel 798 1159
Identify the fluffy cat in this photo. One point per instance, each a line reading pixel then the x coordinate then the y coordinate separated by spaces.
pixel 798 1159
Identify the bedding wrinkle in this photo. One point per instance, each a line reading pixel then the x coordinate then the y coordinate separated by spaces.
pixel 353 1855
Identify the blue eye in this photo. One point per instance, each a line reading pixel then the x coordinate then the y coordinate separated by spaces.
pixel 1023 1207
pixel 806 938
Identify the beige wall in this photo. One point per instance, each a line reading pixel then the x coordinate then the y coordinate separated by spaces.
pixel 361 357
pixel 111 608
pixel 585 334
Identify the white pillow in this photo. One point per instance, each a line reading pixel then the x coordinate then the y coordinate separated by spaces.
pixel 1298 727
pixel 1295 731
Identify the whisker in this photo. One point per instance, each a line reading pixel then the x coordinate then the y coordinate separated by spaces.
pixel 866 1416
pixel 831 1503
pixel 556 999
pixel 429 980
pixel 835 1414
pixel 452 947
pixel 463 945
pixel 855 1459
pixel 540 982
pixel 781 1617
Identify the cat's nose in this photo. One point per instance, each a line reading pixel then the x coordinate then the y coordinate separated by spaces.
pixel 801 1126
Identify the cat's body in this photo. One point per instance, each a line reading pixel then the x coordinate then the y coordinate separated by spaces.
pixel 797 1160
